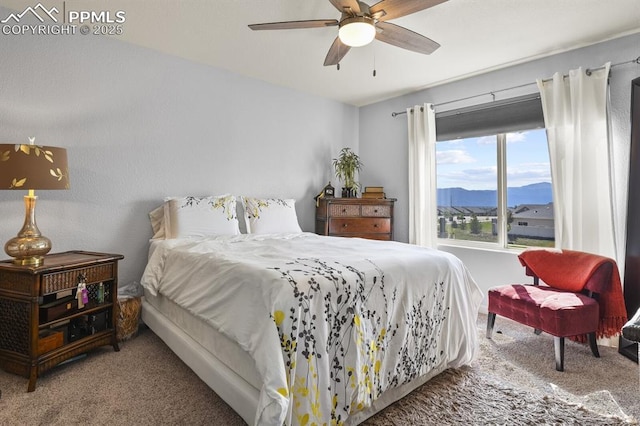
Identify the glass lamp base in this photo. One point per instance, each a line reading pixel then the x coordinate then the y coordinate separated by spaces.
pixel 29 247
pixel 28 250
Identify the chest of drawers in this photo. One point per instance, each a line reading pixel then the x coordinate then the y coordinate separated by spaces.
pixel 355 217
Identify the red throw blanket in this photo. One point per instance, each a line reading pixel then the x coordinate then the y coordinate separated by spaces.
pixel 570 270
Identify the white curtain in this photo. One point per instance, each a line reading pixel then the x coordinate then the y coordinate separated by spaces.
pixel 421 122
pixel 576 118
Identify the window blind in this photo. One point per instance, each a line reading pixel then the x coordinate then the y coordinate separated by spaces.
pixel 509 115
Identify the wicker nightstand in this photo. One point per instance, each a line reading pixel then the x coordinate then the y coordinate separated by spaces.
pixel 40 326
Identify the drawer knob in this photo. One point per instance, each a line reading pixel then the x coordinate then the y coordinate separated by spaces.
pixel 344 210
pixel 344 225
pixel 375 210
pixel 375 225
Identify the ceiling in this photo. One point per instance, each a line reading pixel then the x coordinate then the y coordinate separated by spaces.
pixel 476 36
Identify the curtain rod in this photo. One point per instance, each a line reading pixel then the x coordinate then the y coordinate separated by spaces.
pixel 588 72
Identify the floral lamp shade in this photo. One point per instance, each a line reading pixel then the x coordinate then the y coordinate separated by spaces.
pixel 25 166
pixel 30 167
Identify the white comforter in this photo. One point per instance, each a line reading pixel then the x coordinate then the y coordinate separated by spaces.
pixel 330 322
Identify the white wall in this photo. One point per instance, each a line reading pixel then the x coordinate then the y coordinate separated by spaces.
pixel 383 139
pixel 139 125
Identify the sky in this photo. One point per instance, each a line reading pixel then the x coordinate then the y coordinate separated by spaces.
pixel 471 163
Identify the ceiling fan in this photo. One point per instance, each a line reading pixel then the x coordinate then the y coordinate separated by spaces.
pixel 360 24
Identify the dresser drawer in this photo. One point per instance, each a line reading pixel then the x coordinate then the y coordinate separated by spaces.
pixel 380 237
pixel 344 210
pixel 58 281
pixel 357 225
pixel 376 211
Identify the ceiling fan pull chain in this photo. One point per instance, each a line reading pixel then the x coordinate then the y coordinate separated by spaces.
pixel 374 61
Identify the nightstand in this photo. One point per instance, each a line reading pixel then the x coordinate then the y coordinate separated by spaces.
pixel 40 322
pixel 355 217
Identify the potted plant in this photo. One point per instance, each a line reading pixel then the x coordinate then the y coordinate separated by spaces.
pixel 346 165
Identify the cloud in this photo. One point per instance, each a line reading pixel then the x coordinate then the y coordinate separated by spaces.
pixel 454 156
pixel 486 140
pixel 482 171
pixel 486 177
pixel 516 137
pixel 526 173
pixel 474 178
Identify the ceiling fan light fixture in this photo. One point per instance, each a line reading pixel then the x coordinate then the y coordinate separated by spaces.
pixel 357 31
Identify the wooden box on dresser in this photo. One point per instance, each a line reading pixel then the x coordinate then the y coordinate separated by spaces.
pixel 355 217
pixel 31 344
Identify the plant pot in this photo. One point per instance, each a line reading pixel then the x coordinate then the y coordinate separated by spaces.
pixel 349 192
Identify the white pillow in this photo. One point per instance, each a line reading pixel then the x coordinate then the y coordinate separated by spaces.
pixel 200 216
pixel 156 216
pixel 270 215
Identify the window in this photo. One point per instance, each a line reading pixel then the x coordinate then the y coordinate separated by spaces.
pixel 467 185
pixel 494 187
pixel 529 198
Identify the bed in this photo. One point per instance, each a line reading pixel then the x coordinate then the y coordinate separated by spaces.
pixel 296 328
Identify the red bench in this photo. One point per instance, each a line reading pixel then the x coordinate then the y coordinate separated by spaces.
pixel 561 313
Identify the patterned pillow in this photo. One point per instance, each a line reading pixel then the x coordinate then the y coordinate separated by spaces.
pixel 270 215
pixel 200 216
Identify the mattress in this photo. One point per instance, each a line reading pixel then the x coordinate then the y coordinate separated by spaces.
pixel 217 344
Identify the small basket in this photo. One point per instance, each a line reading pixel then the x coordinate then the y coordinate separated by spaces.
pixel 127 318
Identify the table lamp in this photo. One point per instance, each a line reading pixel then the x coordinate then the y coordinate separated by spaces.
pixel 31 167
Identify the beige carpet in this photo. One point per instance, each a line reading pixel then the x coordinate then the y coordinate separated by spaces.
pixel 513 382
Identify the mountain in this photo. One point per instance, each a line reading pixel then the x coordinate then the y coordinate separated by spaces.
pixel 536 193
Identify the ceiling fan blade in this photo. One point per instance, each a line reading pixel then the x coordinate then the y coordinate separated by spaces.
pixel 405 38
pixel 336 52
pixel 291 25
pixel 341 5
pixel 391 9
